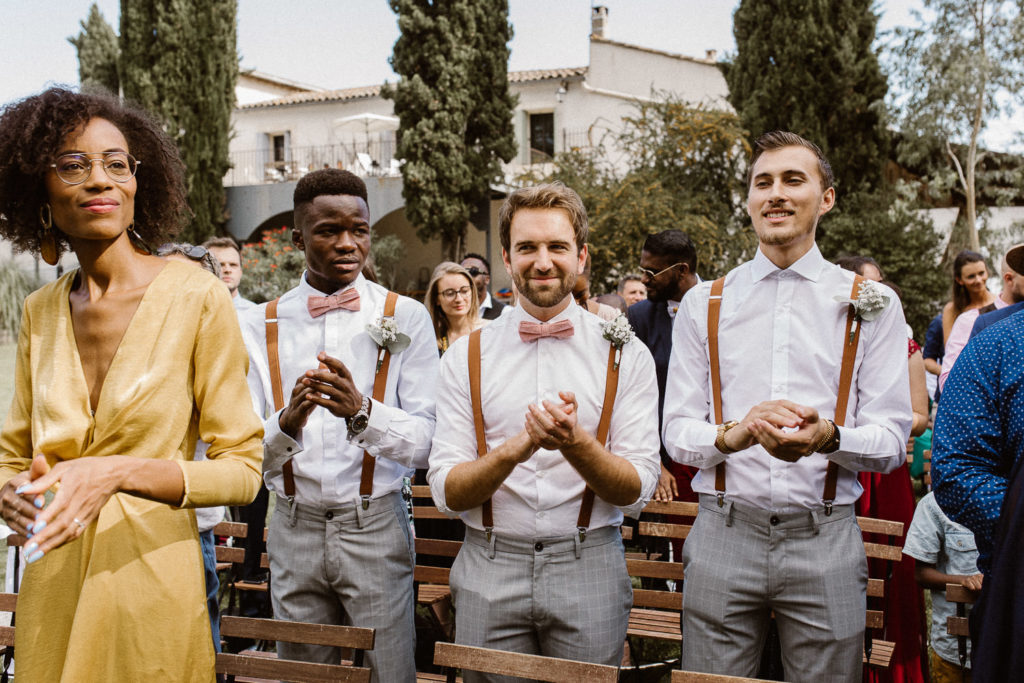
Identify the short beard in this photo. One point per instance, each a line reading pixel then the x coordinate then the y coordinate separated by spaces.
pixel 544 298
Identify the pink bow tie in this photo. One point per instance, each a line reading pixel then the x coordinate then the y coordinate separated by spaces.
pixel 529 332
pixel 318 305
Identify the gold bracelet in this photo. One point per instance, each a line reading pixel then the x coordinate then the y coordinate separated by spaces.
pixel 720 439
pixel 826 439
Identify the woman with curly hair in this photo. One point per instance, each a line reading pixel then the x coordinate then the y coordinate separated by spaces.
pixel 122 364
pixel 451 300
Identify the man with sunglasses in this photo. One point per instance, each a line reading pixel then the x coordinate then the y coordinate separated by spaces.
pixel 668 267
pixel 480 269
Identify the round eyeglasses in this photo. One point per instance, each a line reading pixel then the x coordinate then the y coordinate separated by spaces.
pixel 450 294
pixel 652 275
pixel 75 169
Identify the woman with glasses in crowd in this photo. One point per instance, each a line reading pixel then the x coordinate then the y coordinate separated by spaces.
pixel 451 300
pixel 122 364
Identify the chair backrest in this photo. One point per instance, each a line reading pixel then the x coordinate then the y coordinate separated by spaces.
pixel 8 603
pixel 534 667
pixel 253 665
pixel 694 677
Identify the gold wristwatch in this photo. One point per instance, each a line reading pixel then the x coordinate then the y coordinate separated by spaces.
pixel 720 439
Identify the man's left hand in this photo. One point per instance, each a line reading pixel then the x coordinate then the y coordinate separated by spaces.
pixel 333 388
pixel 790 445
pixel 554 426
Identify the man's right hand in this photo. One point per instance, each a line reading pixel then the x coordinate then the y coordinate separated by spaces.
pixel 293 417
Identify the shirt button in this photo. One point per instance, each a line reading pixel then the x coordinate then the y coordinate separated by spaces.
pixel 773 520
pixel 329 515
pixel 538 546
pixel 540 475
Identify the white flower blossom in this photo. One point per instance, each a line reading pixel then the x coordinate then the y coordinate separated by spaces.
pixel 619 332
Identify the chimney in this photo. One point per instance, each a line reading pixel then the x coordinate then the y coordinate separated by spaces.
pixel 598 21
pixel 711 55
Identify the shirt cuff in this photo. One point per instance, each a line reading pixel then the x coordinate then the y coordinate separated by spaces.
pixel 381 416
pixel 436 479
pixel 278 447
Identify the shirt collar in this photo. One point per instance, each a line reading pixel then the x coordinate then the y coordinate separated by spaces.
pixel 306 289
pixel 571 312
pixel 486 303
pixel 808 266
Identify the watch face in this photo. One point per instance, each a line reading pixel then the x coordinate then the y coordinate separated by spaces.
pixel 359 422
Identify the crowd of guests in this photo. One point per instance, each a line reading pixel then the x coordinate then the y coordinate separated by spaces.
pixel 780 397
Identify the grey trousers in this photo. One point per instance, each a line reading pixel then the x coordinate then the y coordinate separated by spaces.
pixel 350 566
pixel 552 597
pixel 742 563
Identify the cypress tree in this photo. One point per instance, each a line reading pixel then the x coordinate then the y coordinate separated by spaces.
pixel 808 67
pixel 179 61
pixel 454 108
pixel 97 52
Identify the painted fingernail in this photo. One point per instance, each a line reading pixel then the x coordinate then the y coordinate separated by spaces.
pixel 34 556
pixel 31 548
pixel 39 526
pixel 28 527
pixel 21 489
pixel 39 501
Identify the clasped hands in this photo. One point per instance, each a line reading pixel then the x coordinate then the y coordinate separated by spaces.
pixel 552 426
pixel 82 485
pixel 330 386
pixel 785 429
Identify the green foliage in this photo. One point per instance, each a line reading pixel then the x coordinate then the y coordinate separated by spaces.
pixel 271 266
pixel 15 285
pixel 97 52
pixel 809 68
pixel 179 61
pixel 455 110
pixel 387 252
pixel 684 168
pixel 959 68
pixel 889 227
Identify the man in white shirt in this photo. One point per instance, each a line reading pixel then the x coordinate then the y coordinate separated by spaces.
pixel 537 573
pixel 771 535
pixel 227 253
pixel 339 544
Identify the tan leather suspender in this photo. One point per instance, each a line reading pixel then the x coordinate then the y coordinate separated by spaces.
pixel 850 342
pixel 380 382
pixel 611 386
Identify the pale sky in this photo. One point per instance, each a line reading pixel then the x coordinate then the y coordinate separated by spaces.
pixel 347 43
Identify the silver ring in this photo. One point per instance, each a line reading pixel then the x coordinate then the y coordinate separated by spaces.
pixel 80 523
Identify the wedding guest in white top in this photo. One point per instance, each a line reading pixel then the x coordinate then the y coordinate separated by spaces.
pixel 771 541
pixel 537 577
pixel 338 555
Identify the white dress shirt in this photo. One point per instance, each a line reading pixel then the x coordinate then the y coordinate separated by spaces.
pixel 781 337
pixel 541 497
pixel 486 303
pixel 326 465
pixel 241 303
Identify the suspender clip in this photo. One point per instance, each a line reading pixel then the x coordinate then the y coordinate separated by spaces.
pixel 488 531
pixel 582 532
pixel 366 501
pixel 828 507
pixel 721 499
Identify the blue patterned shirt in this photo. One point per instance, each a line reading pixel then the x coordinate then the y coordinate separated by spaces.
pixel 979 431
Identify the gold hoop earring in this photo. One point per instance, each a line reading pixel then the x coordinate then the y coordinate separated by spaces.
pixel 47 240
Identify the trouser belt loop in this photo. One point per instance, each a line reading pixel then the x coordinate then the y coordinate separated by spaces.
pixel 292 509
pixel 816 519
pixel 490 544
pixel 577 543
pixel 728 512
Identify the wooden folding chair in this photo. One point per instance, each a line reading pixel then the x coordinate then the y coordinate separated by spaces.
pixel 958 626
pixel 261 665
pixel 535 667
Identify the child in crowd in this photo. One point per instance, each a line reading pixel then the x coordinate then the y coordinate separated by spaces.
pixel 945 553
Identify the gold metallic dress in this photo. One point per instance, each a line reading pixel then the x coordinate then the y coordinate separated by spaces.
pixel 127 601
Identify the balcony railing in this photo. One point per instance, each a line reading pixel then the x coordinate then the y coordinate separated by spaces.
pixel 256 167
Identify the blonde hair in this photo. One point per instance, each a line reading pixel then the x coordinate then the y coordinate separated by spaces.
pixel 433 303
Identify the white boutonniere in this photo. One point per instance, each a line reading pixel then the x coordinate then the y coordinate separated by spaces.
pixel 619 332
pixel 870 302
pixel 385 332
